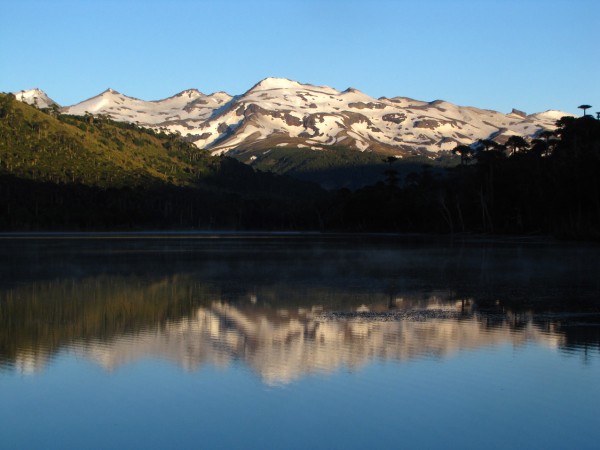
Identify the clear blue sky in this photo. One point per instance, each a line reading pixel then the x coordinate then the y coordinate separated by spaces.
pixel 497 54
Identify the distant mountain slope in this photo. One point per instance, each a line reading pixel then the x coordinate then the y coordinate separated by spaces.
pixel 277 112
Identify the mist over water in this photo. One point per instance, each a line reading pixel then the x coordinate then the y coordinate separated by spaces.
pixel 247 321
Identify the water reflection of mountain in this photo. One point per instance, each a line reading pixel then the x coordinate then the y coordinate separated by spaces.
pixel 121 320
pixel 213 302
pixel 282 349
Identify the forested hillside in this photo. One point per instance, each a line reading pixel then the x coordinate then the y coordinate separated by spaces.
pixel 89 172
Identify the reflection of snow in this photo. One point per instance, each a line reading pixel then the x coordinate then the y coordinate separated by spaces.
pixel 30 363
pixel 285 347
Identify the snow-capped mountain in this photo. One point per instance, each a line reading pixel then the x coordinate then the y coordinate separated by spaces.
pixel 188 108
pixel 35 97
pixel 278 112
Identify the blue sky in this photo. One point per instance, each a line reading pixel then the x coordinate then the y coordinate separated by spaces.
pixel 533 55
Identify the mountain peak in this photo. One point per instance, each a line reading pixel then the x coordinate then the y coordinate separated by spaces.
pixel 275 83
pixel 35 97
pixel 189 92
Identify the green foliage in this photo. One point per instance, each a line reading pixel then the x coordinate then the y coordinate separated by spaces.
pixel 70 149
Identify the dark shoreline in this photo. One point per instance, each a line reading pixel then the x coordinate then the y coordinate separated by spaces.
pixel 257 234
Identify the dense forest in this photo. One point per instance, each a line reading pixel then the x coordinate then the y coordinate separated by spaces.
pixel 339 167
pixel 547 186
pixel 60 172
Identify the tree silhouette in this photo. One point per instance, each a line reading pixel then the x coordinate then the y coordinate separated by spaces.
pixel 464 151
pixel 516 143
pixel 391 174
pixel 486 145
pixel 539 147
pixel 584 107
pixel 547 134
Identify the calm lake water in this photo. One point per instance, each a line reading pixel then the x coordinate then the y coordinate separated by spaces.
pixel 292 341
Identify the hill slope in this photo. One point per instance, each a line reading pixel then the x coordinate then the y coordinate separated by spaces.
pixel 91 151
pixel 91 172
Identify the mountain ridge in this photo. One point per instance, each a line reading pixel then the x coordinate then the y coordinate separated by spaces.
pixel 279 112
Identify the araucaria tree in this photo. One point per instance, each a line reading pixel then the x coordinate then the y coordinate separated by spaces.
pixel 516 144
pixel 584 107
pixel 465 153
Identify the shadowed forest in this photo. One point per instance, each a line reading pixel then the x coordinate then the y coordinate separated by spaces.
pixel 60 172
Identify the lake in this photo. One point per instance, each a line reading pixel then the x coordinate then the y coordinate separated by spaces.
pixel 256 341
